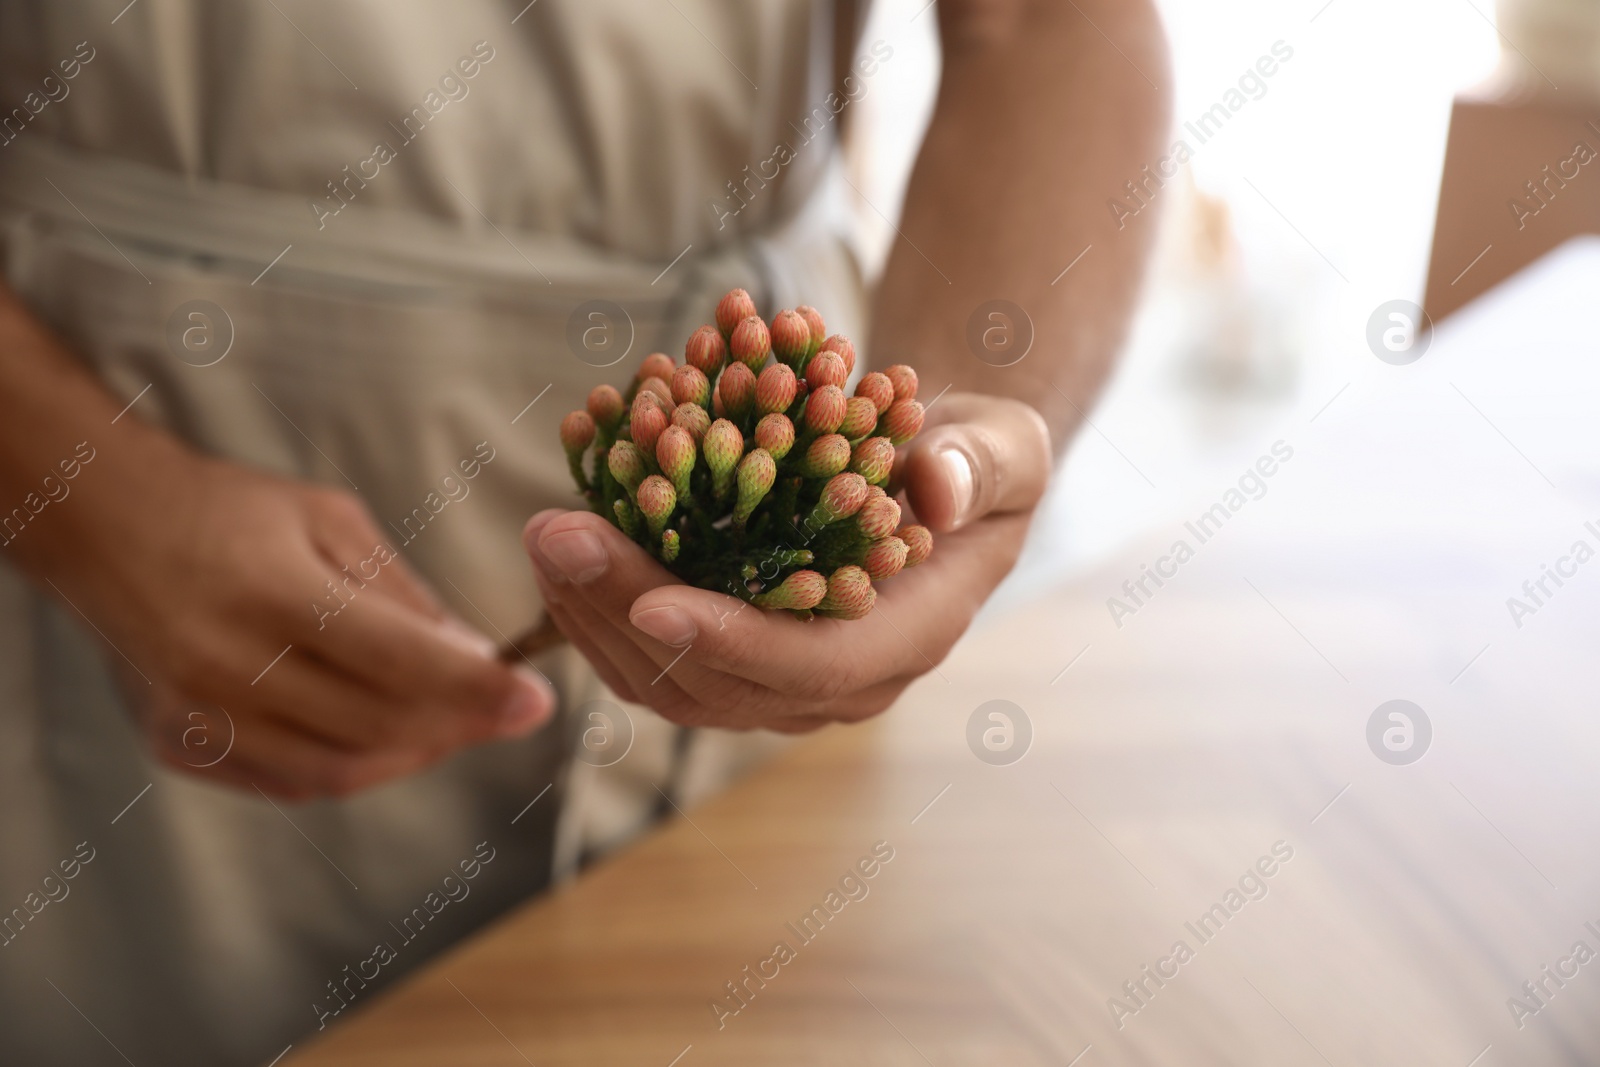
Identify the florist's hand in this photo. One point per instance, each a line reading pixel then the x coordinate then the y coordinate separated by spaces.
pixel 217 590
pixel 701 658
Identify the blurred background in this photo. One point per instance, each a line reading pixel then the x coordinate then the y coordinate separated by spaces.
pixel 1311 207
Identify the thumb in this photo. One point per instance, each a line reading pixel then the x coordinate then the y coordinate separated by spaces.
pixel 988 455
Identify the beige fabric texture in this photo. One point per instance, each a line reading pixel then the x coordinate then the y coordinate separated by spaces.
pixel 423 320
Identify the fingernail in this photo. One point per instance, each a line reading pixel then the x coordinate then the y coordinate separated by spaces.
pixel 963 487
pixel 577 554
pixel 528 705
pixel 670 626
pixel 466 638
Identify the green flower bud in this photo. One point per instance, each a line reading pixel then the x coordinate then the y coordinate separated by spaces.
pixel 627 465
pixel 723 447
pixel 826 457
pixel 757 472
pixel 860 418
pixel 801 591
pixel 627 517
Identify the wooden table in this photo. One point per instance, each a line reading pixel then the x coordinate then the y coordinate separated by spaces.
pixel 1170 757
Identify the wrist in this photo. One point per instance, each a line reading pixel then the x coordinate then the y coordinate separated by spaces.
pixel 112 496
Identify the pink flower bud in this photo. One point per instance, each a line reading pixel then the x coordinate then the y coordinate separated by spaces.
pixel 879 516
pixel 775 433
pixel 904 380
pixel 690 386
pixel 757 472
pixel 738 388
pixel 825 409
pixel 873 459
pixel 827 456
pixel 692 417
pixel 657 498
pixel 706 351
pixel 750 343
pixel 813 319
pixel 605 407
pixel 646 421
pixel 675 453
pixel 656 365
pixel 847 351
pixel 850 594
pixel 723 447
pixel 734 309
pixel 660 389
pixel 775 389
pixel 878 389
pixel 627 465
pixel 902 421
pixel 841 498
pixel 860 418
pixel 919 543
pixel 801 591
pixel 885 558
pixel 826 368
pixel 577 432
pixel 791 338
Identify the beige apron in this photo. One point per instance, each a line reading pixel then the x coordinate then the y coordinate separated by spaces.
pixel 372 349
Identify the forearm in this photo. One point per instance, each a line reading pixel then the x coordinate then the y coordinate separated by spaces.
pixel 67 461
pixel 1040 120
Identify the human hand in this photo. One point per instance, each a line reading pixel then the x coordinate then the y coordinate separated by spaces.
pixel 701 658
pixel 219 569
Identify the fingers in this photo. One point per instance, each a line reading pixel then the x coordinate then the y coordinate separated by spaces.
pixel 695 697
pixel 583 549
pixel 608 671
pixel 918 617
pixel 817 660
pixel 253 749
pixel 285 762
pixel 591 575
pixel 739 661
pixel 986 455
pixel 440 682
pixel 348 539
pixel 550 581
pixel 586 565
